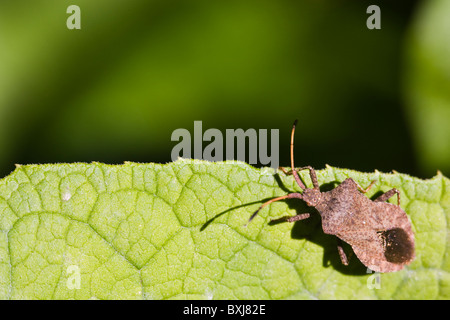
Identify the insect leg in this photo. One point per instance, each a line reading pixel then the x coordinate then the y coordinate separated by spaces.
pixel 366 189
pixel 385 196
pixel 288 173
pixel 312 174
pixel 298 217
pixel 342 255
pixel 301 216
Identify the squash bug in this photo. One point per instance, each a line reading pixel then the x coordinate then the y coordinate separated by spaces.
pixel 379 232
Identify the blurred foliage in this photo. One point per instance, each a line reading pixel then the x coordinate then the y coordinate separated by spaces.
pixel 137 70
pixel 427 84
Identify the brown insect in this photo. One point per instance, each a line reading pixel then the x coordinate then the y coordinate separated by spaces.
pixel 379 232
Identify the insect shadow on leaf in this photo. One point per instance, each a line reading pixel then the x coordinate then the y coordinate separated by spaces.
pixel 207 223
pixel 308 229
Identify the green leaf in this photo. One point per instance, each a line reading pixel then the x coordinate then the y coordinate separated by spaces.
pixel 176 231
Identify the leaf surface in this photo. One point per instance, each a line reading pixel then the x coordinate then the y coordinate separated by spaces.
pixel 176 231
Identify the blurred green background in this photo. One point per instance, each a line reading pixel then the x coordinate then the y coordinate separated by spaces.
pixel 115 90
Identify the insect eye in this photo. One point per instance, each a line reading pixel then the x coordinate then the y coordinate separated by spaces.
pixel 397 246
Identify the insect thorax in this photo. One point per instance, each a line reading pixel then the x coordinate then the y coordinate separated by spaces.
pixel 337 207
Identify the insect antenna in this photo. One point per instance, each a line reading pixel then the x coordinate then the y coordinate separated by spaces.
pixel 294 172
pixel 265 204
pixel 297 179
